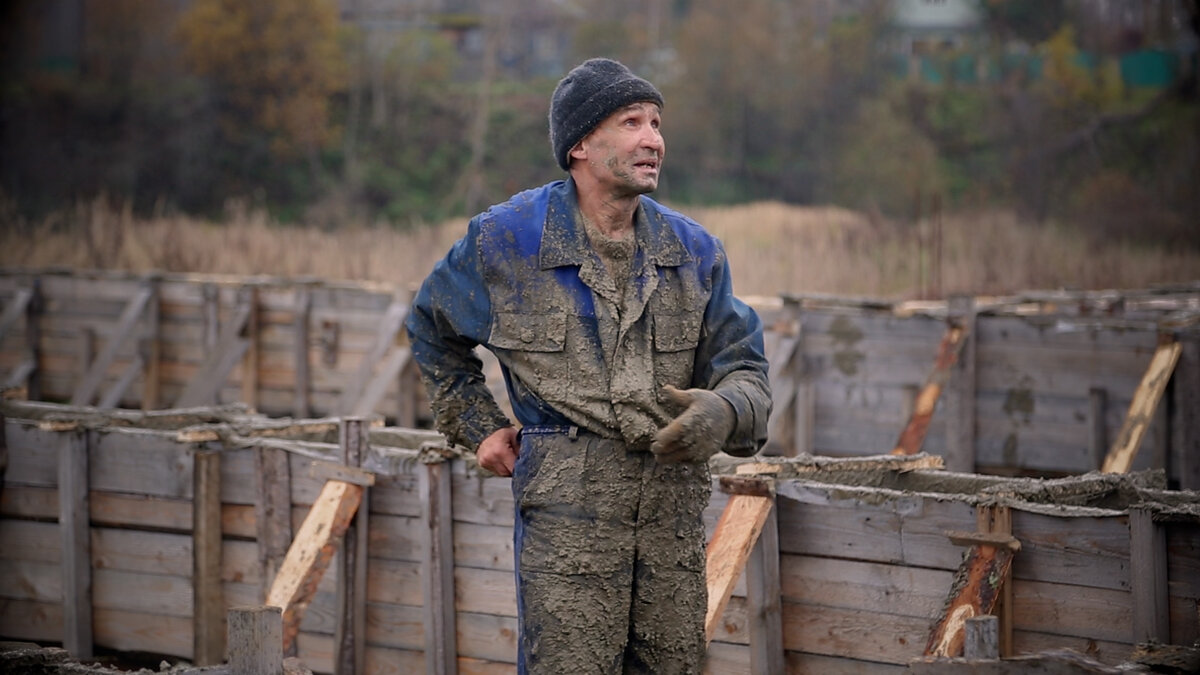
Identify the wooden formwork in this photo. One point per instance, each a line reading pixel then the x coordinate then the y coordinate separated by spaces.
pixel 184 512
pixel 1041 384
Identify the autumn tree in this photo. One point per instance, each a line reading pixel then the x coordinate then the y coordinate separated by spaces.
pixel 273 66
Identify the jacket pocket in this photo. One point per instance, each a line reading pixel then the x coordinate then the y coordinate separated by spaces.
pixel 676 337
pixel 527 332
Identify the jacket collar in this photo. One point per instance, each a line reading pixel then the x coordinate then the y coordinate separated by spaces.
pixel 564 243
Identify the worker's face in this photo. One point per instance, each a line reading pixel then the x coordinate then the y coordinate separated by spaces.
pixel 625 152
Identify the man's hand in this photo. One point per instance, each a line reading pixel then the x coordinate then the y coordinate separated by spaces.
pixel 498 452
pixel 699 432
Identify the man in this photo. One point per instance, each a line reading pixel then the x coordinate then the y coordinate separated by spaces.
pixel 628 362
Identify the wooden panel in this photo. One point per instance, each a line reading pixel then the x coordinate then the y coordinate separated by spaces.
pixel 485 636
pixel 158 594
pixel 30 580
pixel 855 634
pixel 27 540
pixel 138 632
pixel 1110 653
pixel 138 551
pixel 852 584
pixel 799 662
pixel 1090 551
pixel 483 546
pixel 1077 611
pixel 141 462
pixel 31 620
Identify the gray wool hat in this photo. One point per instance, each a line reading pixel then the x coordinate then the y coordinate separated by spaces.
pixel 592 91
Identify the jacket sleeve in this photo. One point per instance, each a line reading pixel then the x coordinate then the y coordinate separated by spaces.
pixel 731 361
pixel 448 319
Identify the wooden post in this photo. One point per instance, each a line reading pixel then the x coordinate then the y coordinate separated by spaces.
pixel 1097 429
pixel 75 531
pixel 249 296
pixel 272 511
pixel 255 641
pixel 407 395
pixel 974 590
pixel 960 400
pixel 1148 577
pixel 437 570
pixel 1185 423
pixel 150 349
pixel 300 321
pixel 350 631
pixel 209 615
pixel 982 638
pixel 211 310
pixel 997 519
pixel 33 342
pixel 763 603
pixel 805 406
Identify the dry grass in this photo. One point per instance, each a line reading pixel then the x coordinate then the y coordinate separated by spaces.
pixel 773 249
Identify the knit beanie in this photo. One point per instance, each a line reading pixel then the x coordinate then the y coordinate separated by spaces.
pixel 586 96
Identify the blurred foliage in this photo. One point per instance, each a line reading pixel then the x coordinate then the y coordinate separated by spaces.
pixel 281 104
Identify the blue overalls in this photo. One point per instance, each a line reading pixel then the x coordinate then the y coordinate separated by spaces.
pixel 609 543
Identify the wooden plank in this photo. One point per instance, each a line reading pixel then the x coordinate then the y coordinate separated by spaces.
pixel 860 634
pixel 974 592
pixel 388 373
pixel 913 436
pixel 15 310
pixel 256 640
pixel 763 600
pixel 1141 410
pixel 1148 578
pixel 31 620
pixel 1089 551
pixel 209 619
pixel 74 527
pixel 300 352
pixel 249 295
pixel 388 328
pixel 852 584
pixel 231 345
pixel 437 566
pixel 150 349
pixel 311 552
pixel 959 407
pixel 350 632
pixel 1186 424
pixel 86 391
pixel 1097 428
pixel 112 397
pixel 729 549
pixel 272 511
pixel 783 379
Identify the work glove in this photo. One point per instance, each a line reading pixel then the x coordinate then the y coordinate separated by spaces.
pixel 699 432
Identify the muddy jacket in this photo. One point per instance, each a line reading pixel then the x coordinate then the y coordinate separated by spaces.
pixel 525 283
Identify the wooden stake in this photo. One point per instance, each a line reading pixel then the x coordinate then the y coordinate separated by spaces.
pixel 1141 409
pixel 913 436
pixel 735 535
pixel 311 552
pixel 208 599
pixel 255 641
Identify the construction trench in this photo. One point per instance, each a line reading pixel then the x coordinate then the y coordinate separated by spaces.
pixel 184 454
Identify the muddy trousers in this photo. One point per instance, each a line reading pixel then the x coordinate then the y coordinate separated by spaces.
pixel 609 550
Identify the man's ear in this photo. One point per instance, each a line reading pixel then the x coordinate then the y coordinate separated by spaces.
pixel 578 151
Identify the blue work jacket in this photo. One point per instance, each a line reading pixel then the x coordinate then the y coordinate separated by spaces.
pixel 525 283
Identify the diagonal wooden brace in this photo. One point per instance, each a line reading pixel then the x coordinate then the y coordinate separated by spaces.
pixel 976 588
pixel 913 436
pixel 310 553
